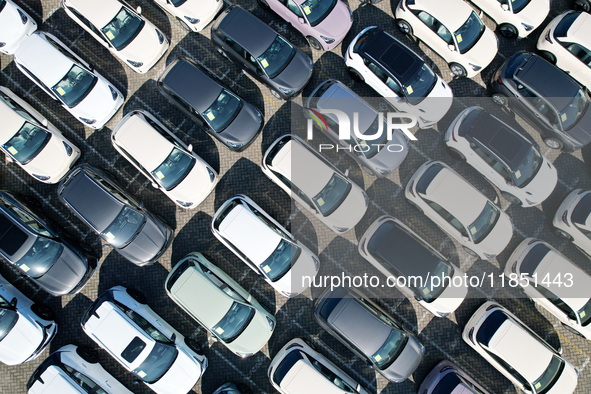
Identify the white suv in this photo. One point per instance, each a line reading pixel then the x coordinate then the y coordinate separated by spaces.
pixel 515 18
pixel 193 15
pixel 15 26
pixel 121 323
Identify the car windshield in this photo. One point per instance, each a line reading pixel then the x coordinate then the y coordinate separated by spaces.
pixel 550 375
pixel 429 292
pixel 27 143
pixel 157 363
pixel 518 5
pixel 390 350
pixel 572 112
pixel 585 314
pixel 484 223
pixel 124 228
pixel 178 3
pixel 40 257
pixel 527 168
pixel 123 28
pixel 234 322
pixel 8 318
pixel 372 148
pixel 2 4
pixel 277 265
pixel 333 194
pixel 470 32
pixel 87 384
pixel 317 10
pixel 223 111
pixel 75 86
pixel 173 169
pixel 277 57
pixel 418 86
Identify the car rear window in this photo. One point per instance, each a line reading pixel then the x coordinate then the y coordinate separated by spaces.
pixel 565 24
pixel 427 178
pixel 490 326
pixel 582 210
pixel 447 384
pixel 135 347
pixel 533 259
pixel 285 366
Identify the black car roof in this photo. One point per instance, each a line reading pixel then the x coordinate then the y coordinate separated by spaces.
pixel 394 56
pixel 12 237
pixel 191 84
pixel 247 30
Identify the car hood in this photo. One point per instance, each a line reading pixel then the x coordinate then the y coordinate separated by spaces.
pixel 297 73
pixel 451 298
pixel 336 24
pixel 184 373
pixel 65 274
pixel 145 47
pixel 406 362
pixel 567 382
pixel 254 337
pixel 437 103
pixel 196 186
pixel 304 266
pixel 147 244
pixel 351 210
pixel 11 27
pixel 499 237
pixel 484 51
pixel 244 127
pixel 543 183
pixel 99 103
pixel 21 342
pixel 581 131
pixel 52 160
pixel 199 8
pixel 535 13
pixel 391 160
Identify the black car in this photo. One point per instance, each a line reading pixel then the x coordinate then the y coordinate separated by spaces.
pixel 117 217
pixel 260 50
pixel 369 332
pixel 547 98
pixel 53 261
pixel 216 108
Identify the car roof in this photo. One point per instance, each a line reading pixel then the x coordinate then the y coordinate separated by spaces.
pixel 55 381
pixel 191 84
pixel 394 56
pixel 100 13
pixel 199 295
pixel 249 234
pixel 455 12
pixel 11 122
pixel 42 59
pixel 580 31
pixel 248 31
pixel 146 145
pixel 12 237
pixel 303 377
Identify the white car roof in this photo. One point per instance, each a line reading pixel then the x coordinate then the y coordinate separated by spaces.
pixel 521 350
pixel 304 378
pixel 43 60
pixel 141 141
pixel 580 30
pixel 452 13
pixel 98 12
pixel 249 234
pixel 11 122
pixel 55 381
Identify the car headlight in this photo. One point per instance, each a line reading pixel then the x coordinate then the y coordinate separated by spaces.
pixel 184 204
pixel 340 229
pixel 193 21
pixel 88 121
pixel 489 256
pixel 327 40
pixel 114 92
pixel 160 36
pixel 351 14
pixel 135 64
pixel 527 27
pixel 41 177
pixel 69 149
pixel 235 145
pixel 475 67
pixel 530 202
pixel 316 263
pixel 24 18
pixel 287 91
pixel 271 323
pixel 211 174
pixel 442 314
pixel 383 171
pixel 244 355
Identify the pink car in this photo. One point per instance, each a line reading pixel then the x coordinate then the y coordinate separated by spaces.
pixel 324 22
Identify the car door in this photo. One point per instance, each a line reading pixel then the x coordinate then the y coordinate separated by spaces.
pixel 488 165
pixel 376 77
pixel 433 33
pixel 89 27
pixel 530 106
pixel 448 222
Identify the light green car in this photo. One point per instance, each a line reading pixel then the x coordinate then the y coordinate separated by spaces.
pixel 219 304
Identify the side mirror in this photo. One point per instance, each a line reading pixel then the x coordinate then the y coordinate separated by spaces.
pixel 301 20
pixel 465 238
pixel 139 10
pixel 45 122
pixel 173 337
pixel 8 159
pixel 154 185
pixel 260 72
pixel 451 47
pixel 505 7
pixel 13 301
pixel 190 148
pixel 347 172
pixel 91 67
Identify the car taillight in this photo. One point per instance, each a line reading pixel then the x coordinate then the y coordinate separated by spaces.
pixel 565 218
pixel 547 37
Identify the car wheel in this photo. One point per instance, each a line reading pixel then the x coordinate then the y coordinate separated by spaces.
pixel 184 25
pixel 222 52
pixel 87 354
pixel 355 74
pixel 470 252
pixel 583 5
pixel 263 4
pixel 563 234
pixel 276 94
pixel 508 31
pixel 193 345
pixel 314 43
pixel 404 26
pixel 570 329
pixel 549 56
pixel 137 296
pixel 553 143
pixel 43 311
pixel 500 99
pixel 511 198
pixel 457 154
pixel 457 70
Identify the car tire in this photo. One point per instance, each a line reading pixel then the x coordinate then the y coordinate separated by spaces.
pixel 314 43
pixel 193 345
pixel 139 297
pixel 184 24
pixel 549 56
pixel 553 143
pixel 276 94
pixel 563 234
pixel 355 74
pixel 583 5
pixel 457 70
pixel 572 330
pixel 500 99
pixel 264 5
pixel 43 311
pixel 404 26
pixel 87 354
pixel 470 251
pixel 511 198
pixel 507 30
pixel 456 153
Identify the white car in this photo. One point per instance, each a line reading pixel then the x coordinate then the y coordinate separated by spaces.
pixel 572 220
pixel 164 159
pixel 15 26
pixel 453 30
pixel 460 209
pixel 566 42
pixel 26 328
pixel 315 184
pixel 73 369
pixel 398 74
pixel 68 79
pixel 194 15
pixel 515 18
pixel 503 155
pixel 29 140
pixel 124 32
pixel 264 245
pixel 121 323
pixel 553 282
pixel 518 353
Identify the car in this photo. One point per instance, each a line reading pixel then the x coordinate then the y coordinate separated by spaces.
pixel 397 251
pixel 398 74
pixel 503 154
pixel 517 352
pixel 193 15
pixel 68 79
pixel 453 30
pixel 15 26
pixel 448 378
pixel 52 260
pixel 329 195
pixel 117 217
pixel 369 332
pixel 26 328
pixel 258 49
pixel 572 219
pixel 215 107
pixel 548 99
pixel 298 368
pixel 565 42
pixel 538 268
pixel 220 305
pixel 164 159
pixel 264 245
pixel 30 141
pixel 324 23
pixel 122 324
pixel 515 18
pixel 73 369
pixel 459 209
pixel 130 37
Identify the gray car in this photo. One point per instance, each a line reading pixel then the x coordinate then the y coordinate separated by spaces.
pixel 116 216
pixel 369 332
pixel 448 378
pixel 255 47
pixel 216 108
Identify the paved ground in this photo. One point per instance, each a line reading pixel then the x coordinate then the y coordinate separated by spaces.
pixel 240 173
